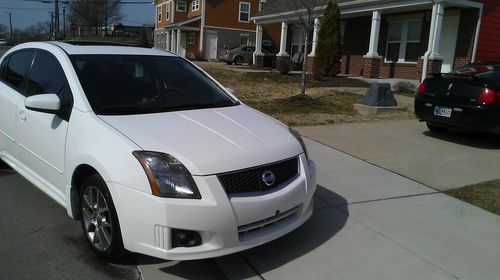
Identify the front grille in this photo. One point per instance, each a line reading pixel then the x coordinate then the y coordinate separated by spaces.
pixel 250 180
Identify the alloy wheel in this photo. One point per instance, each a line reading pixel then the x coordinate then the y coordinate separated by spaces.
pixel 96 217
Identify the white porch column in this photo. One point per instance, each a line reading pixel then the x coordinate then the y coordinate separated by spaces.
pixel 284 31
pixel 315 37
pixel 258 43
pixel 172 41
pixel 374 34
pixel 258 40
pixel 437 31
pixel 178 47
pixel 167 41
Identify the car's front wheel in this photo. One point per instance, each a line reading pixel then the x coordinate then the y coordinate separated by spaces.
pixel 99 219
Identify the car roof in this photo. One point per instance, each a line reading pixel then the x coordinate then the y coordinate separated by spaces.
pixel 82 48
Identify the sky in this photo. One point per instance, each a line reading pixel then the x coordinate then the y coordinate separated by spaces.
pixel 28 12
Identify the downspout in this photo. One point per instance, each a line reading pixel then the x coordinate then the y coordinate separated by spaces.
pixel 202 27
pixel 476 38
pixel 431 41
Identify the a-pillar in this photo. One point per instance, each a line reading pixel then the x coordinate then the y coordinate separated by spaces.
pixel 312 54
pixel 258 55
pixel 282 57
pixel 372 60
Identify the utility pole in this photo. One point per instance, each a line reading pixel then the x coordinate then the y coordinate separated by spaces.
pixel 52 25
pixel 105 17
pixel 56 19
pixel 64 20
pixel 10 22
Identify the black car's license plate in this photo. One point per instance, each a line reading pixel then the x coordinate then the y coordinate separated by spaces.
pixel 442 111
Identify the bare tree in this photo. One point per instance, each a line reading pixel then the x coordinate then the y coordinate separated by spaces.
pixel 95 12
pixel 302 13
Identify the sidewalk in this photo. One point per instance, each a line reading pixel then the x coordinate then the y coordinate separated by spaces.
pixel 369 223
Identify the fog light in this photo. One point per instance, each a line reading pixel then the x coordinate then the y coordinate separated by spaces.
pixel 185 238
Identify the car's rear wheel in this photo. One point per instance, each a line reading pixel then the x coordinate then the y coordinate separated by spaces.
pixel 436 128
pixel 229 62
pixel 99 219
pixel 238 60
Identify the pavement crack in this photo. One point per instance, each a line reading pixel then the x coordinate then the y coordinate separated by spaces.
pixel 374 164
pixel 329 206
pixel 252 266
pixel 35 231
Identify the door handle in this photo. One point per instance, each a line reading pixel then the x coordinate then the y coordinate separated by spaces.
pixel 22 115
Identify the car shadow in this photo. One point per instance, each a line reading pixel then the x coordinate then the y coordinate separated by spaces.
pixel 330 216
pixel 478 140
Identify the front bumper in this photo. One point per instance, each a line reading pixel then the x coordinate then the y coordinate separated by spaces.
pixel 146 221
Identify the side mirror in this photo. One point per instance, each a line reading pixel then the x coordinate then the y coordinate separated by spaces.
pixel 45 103
pixel 231 91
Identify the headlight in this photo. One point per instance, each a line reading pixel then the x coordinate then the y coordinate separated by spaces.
pixel 301 141
pixel 167 176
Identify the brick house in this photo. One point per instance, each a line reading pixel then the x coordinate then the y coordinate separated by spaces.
pixel 392 38
pixel 201 28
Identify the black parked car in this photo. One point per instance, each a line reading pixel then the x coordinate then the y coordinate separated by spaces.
pixel 468 99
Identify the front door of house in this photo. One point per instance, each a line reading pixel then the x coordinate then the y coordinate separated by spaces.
pixel 211 46
pixel 448 41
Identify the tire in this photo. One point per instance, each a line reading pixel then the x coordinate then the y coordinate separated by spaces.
pixel 99 220
pixel 229 62
pixel 238 60
pixel 435 128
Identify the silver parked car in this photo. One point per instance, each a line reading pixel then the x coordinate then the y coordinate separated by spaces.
pixel 239 55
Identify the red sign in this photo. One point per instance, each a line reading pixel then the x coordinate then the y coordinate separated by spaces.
pixel 73 26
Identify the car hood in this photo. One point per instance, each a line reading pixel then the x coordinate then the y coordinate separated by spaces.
pixel 211 141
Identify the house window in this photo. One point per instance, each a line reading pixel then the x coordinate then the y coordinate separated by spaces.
pixel 297 42
pixel 190 38
pixel 181 6
pixel 158 13
pixel 195 6
pixel 167 11
pixel 403 41
pixel 244 12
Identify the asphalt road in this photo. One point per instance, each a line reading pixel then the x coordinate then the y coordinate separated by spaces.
pixel 40 241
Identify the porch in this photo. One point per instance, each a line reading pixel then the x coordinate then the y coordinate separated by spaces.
pixel 387 39
pixel 182 38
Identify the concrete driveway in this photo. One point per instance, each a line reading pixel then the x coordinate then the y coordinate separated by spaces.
pixel 441 161
pixel 369 223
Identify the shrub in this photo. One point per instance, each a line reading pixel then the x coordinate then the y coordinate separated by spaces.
pixel 327 60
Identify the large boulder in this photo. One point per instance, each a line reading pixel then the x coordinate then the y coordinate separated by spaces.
pixel 379 95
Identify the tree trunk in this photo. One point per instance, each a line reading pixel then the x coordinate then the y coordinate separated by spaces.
pixel 304 64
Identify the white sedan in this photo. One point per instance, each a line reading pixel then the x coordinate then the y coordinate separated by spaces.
pixel 149 152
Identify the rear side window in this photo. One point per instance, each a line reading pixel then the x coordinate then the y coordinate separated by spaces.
pixel 17 67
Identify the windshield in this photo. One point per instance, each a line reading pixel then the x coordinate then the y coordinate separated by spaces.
pixel 137 84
